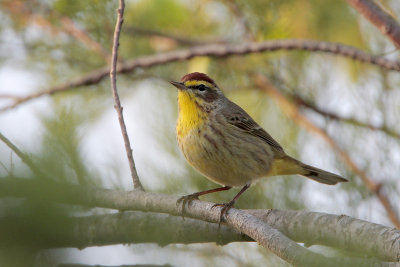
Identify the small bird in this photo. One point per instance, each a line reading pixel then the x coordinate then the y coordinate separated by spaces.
pixel 220 140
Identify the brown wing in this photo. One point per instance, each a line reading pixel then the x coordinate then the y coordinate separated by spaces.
pixel 239 118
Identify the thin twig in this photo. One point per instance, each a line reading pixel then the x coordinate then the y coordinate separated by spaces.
pixel 330 115
pixel 292 110
pixel 379 17
pixel 216 50
pixel 118 108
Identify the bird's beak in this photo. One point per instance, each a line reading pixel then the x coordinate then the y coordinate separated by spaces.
pixel 178 85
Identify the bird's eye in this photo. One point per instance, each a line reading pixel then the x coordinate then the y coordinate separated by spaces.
pixel 201 87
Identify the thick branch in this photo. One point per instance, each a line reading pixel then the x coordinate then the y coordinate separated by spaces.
pixel 292 110
pixel 310 228
pixel 130 227
pixel 215 50
pixel 339 231
pixel 380 18
pixel 302 226
pixel 118 108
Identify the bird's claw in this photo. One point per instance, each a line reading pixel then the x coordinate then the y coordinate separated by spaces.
pixel 225 208
pixel 186 200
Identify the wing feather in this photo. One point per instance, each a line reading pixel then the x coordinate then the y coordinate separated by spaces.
pixel 240 119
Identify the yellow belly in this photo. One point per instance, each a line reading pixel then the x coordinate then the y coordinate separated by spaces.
pixel 226 159
pixel 226 156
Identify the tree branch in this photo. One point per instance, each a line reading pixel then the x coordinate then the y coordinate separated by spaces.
pixel 318 228
pixel 380 18
pixel 339 231
pixel 215 50
pixel 129 227
pixel 138 227
pixel 333 116
pixel 292 110
pixel 117 106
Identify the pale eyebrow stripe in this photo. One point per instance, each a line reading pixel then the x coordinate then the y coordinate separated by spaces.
pixel 194 83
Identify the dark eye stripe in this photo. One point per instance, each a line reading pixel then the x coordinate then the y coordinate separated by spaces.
pixel 200 87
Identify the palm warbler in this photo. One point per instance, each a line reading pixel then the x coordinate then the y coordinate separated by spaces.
pixel 221 141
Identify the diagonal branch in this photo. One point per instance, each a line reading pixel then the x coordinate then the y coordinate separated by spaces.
pixel 292 110
pixel 379 17
pixel 346 232
pixel 118 108
pixel 338 231
pixel 216 50
pixel 333 116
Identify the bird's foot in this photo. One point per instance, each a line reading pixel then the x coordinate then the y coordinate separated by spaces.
pixel 225 208
pixel 186 200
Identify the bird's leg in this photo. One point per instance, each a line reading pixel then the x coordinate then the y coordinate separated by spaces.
pixel 189 198
pixel 227 206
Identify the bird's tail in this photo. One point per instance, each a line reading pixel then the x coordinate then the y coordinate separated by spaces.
pixel 321 176
pixel 289 165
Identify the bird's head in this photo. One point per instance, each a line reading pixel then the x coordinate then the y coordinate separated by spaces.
pixel 199 89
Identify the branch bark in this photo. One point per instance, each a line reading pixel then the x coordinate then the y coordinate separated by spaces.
pixel 310 228
pixel 134 227
pixel 117 106
pixel 215 50
pixel 380 18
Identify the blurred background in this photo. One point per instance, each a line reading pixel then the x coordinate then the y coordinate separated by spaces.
pixel 74 136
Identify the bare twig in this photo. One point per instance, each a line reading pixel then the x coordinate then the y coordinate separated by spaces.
pixel 380 18
pixel 292 110
pixel 118 108
pixel 331 230
pixel 307 104
pixel 216 50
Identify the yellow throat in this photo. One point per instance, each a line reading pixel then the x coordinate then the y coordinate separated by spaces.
pixel 190 116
